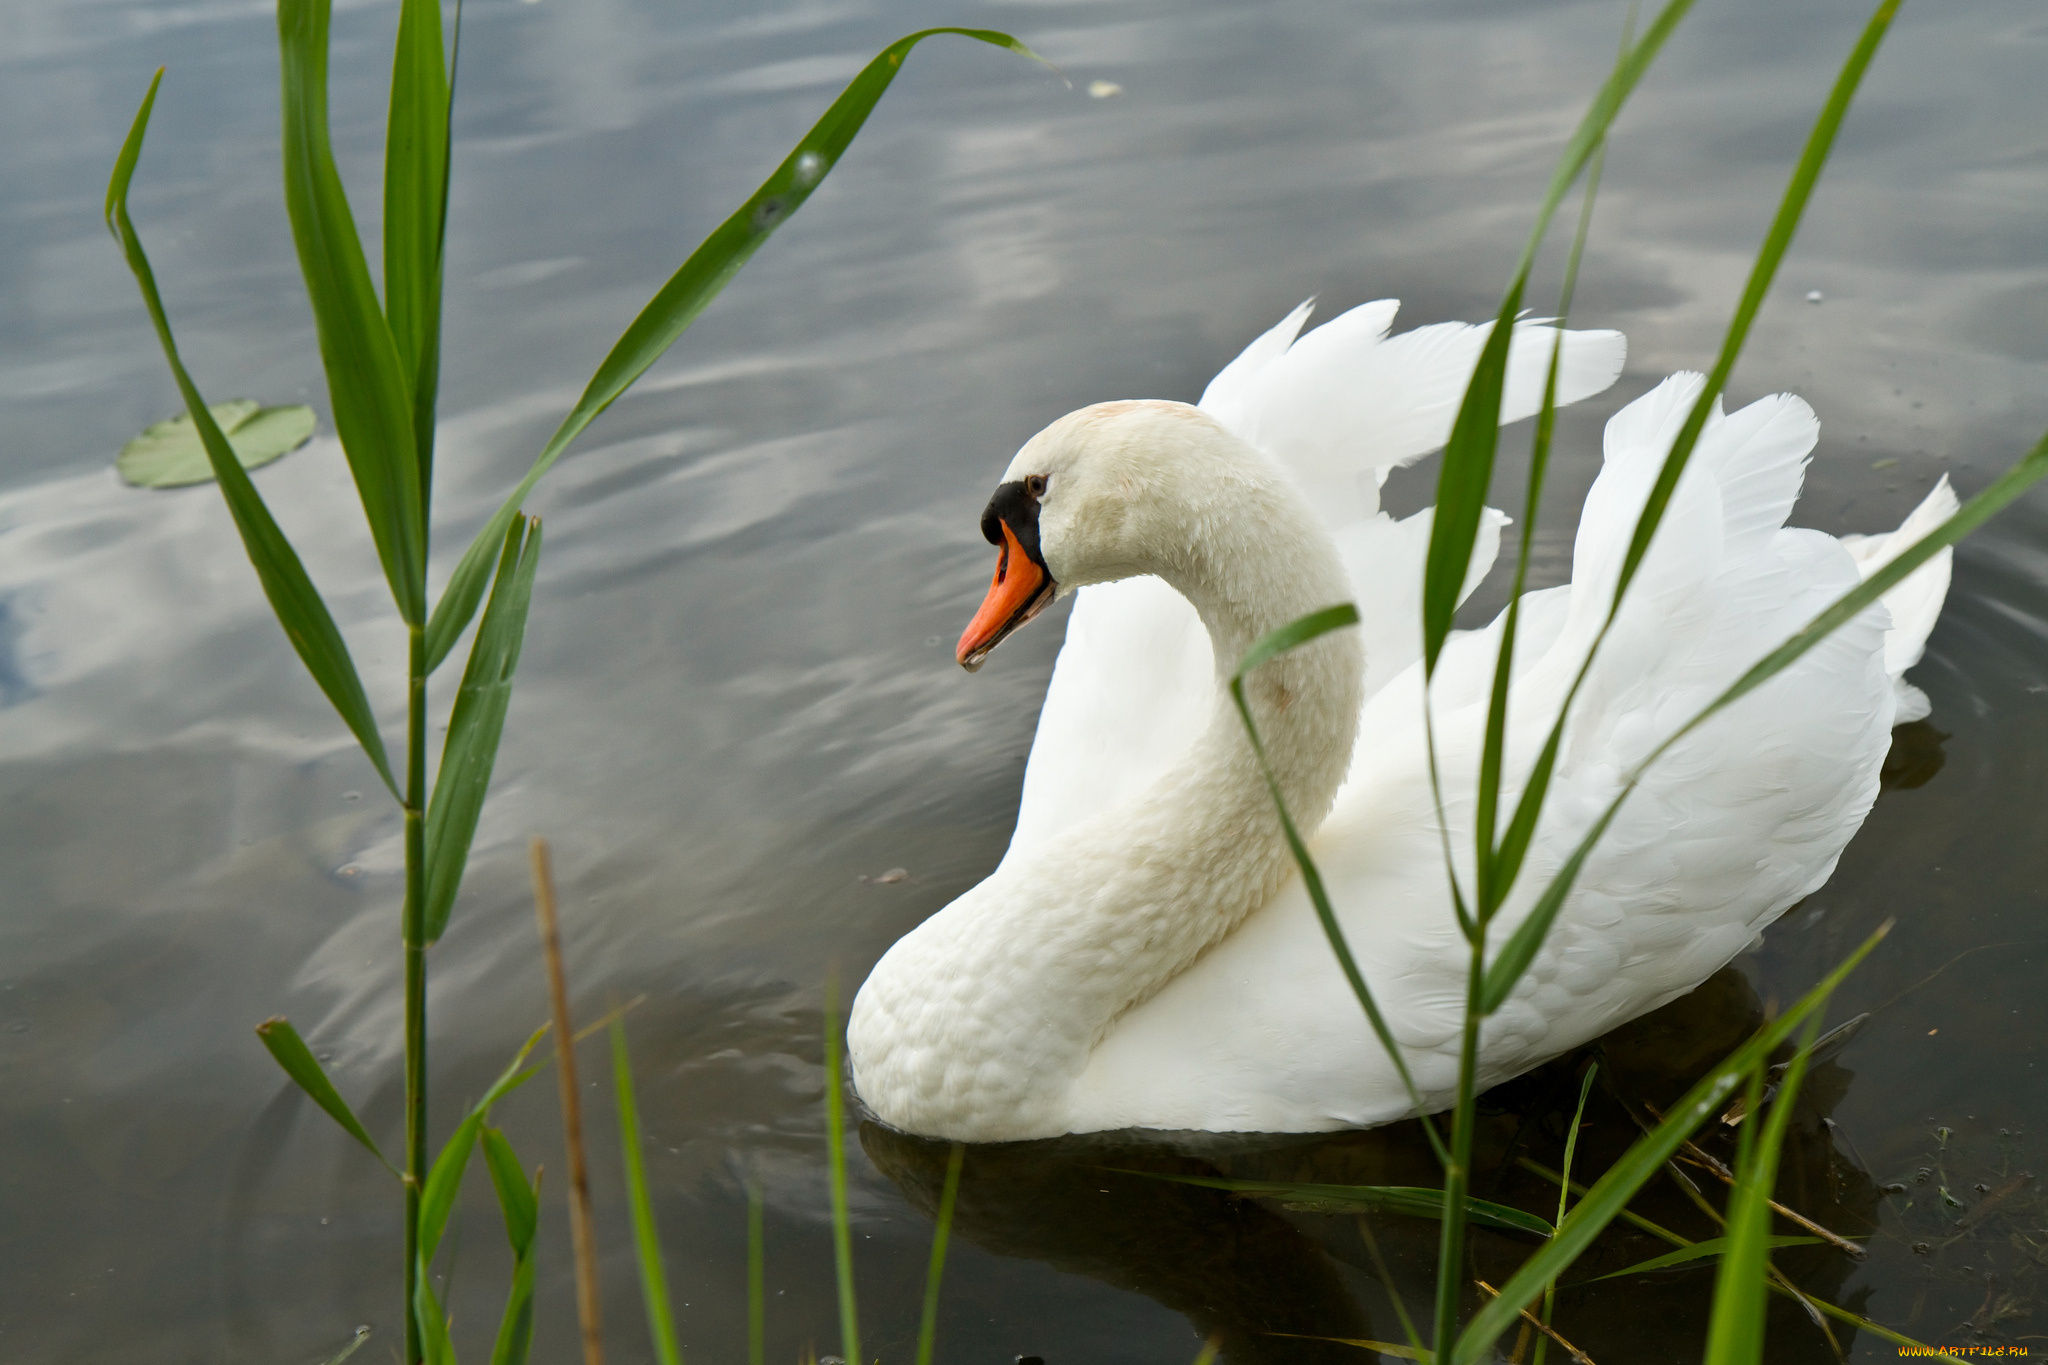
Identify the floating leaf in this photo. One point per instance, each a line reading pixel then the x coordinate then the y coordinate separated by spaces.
pixel 170 454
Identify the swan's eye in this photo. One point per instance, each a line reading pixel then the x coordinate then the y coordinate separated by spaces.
pixel 1035 485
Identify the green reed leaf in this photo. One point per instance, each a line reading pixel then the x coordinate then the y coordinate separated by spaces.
pixel 1290 636
pixel 296 602
pixel 415 211
pixel 435 1343
pixel 1467 467
pixel 477 723
pixel 171 454
pixel 1305 1197
pixel 1735 1332
pixel 517 1200
pixel 835 1141
pixel 444 1182
pixel 299 1063
pixel 1611 1193
pixel 520 1204
pixel 1707 1250
pixel 369 390
pixel 661 1327
pixel 708 270
pixel 928 1320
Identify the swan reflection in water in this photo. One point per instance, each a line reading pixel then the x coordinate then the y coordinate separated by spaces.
pixel 1260 1279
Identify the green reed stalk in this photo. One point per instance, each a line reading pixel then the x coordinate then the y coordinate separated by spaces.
pixel 757 1279
pixel 835 1141
pixel 1571 1143
pixel 928 1321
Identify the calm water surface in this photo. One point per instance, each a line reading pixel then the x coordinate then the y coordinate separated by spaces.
pixel 737 700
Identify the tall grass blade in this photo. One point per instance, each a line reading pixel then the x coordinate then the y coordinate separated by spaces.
pixel 1564 1194
pixel 415 209
pixel 661 1327
pixel 1707 1250
pixel 1804 176
pixel 1735 1333
pixel 835 1139
pixel 1641 1162
pixel 444 1182
pixel 299 1063
pixel 708 270
pixel 436 1346
pixel 297 603
pixel 1308 1197
pixel 757 1279
pixel 1475 434
pixel 477 723
pixel 1291 636
pixel 370 392
pixel 928 1320
pixel 520 1204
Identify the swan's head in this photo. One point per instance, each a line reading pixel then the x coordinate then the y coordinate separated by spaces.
pixel 1111 491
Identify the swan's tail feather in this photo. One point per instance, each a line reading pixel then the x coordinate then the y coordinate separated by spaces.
pixel 1916 602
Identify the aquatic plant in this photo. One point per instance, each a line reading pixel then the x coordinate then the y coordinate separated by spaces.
pixel 383 361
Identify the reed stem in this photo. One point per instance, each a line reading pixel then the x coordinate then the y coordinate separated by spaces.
pixel 414 933
pixel 588 1310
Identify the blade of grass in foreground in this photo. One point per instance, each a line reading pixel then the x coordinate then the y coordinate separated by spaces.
pixel 415 189
pixel 370 393
pixel 1611 1193
pixel 661 1328
pixel 1571 1147
pixel 1467 469
pixel 928 1321
pixel 477 723
pixel 304 1068
pixel 520 1204
pixel 708 270
pixel 835 1138
pixel 1291 636
pixel 1735 1334
pixel 297 603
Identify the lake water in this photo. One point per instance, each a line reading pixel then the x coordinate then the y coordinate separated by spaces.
pixel 738 697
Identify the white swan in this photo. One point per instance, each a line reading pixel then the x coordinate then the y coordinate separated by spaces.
pixel 1145 955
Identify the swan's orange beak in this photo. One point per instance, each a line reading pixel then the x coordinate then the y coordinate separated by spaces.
pixel 1020 590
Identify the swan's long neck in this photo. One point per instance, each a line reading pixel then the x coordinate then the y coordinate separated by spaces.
pixel 975 1025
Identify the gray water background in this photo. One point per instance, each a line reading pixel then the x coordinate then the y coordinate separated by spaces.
pixel 737 696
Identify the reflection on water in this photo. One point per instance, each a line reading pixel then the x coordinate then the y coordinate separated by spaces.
pixel 736 701
pixel 1258 1278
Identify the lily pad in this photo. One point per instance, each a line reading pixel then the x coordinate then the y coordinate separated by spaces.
pixel 169 454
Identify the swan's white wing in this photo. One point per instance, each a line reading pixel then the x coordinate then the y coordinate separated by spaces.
pixel 1135 682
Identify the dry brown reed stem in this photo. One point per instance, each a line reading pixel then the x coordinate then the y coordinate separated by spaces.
pixel 1531 1320
pixel 587 1307
pixel 1706 1161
